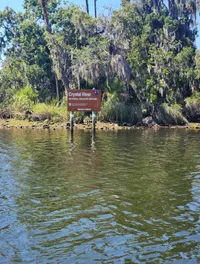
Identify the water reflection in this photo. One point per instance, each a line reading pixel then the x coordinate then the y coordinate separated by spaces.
pixel 125 197
pixel 93 147
pixel 71 145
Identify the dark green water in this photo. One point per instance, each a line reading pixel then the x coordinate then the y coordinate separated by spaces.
pixel 130 197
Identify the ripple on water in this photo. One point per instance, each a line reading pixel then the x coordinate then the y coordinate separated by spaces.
pixel 128 197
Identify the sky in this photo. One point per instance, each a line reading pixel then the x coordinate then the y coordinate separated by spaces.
pixel 115 4
pixel 17 4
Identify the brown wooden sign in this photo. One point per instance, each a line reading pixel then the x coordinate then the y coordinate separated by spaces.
pixel 84 100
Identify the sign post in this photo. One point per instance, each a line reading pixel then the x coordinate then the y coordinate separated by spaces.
pixel 85 101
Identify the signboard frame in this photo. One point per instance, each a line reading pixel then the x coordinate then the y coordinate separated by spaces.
pixel 86 100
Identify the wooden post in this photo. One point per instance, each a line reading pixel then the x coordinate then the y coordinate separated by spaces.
pixel 93 121
pixel 71 121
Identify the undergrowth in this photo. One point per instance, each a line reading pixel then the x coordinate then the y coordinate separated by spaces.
pixel 114 110
pixel 169 115
pixel 191 109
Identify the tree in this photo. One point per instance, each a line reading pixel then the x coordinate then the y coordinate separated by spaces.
pixel 53 45
pixel 145 50
pixel 124 2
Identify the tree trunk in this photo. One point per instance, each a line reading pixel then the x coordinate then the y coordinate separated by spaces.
pixel 95 8
pixel 87 6
pixel 43 4
pixel 57 88
pixel 45 14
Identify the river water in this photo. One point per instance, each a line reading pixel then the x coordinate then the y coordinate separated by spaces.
pixel 123 197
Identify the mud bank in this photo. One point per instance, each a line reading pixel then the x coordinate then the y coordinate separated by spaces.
pixel 25 124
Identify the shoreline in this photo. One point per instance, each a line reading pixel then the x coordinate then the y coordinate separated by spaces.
pixel 105 126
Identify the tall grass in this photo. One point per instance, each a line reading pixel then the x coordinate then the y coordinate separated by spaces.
pixel 51 111
pixel 191 108
pixel 114 110
pixel 169 115
pixel 25 99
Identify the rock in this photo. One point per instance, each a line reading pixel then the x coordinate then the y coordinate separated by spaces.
pixel 124 124
pixel 147 121
pixel 87 120
pixel 79 120
pixel 34 118
pixel 138 124
pixel 27 114
pixel 5 114
pixel 156 126
pixel 45 126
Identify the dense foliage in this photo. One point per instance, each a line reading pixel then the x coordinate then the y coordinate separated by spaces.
pixel 142 56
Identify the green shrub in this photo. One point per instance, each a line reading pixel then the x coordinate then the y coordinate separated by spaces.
pixel 114 110
pixel 5 112
pixel 24 99
pixel 51 111
pixel 191 109
pixel 169 115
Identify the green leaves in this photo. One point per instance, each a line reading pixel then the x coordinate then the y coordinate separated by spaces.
pixel 24 99
pixel 146 48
